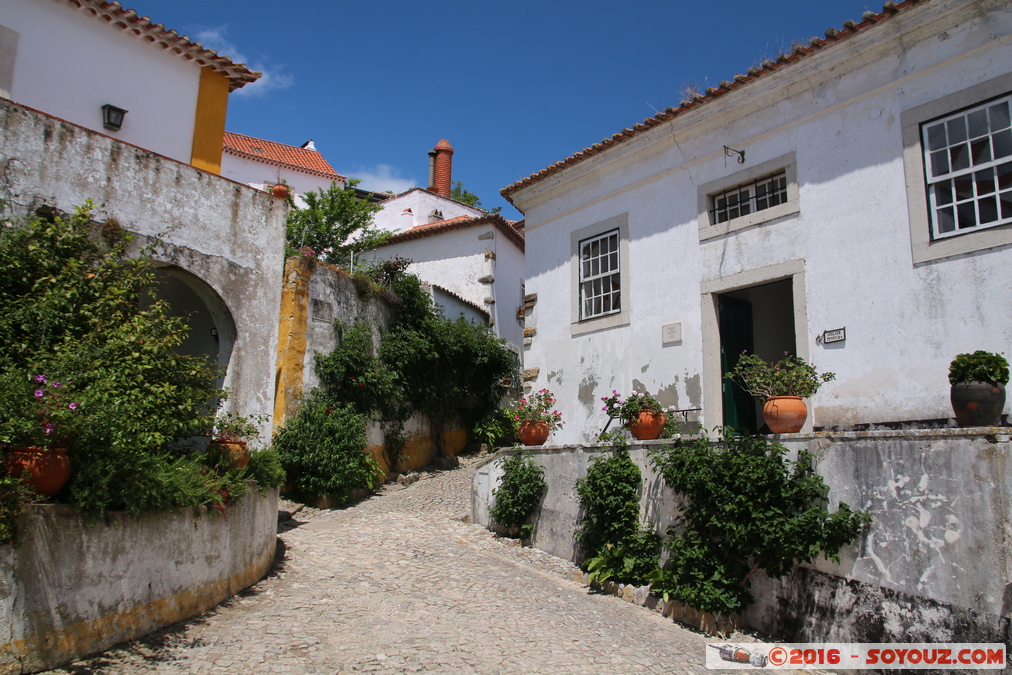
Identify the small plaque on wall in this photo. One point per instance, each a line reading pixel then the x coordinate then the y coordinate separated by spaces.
pixel 835 335
pixel 671 333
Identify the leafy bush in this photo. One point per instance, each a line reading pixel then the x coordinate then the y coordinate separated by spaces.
pixel 614 543
pixel 14 495
pixel 746 509
pixel 79 311
pixel 323 450
pixel 496 430
pixel 265 468
pixel 518 494
pixel 979 366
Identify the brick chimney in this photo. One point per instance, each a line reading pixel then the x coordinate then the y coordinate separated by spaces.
pixel 440 168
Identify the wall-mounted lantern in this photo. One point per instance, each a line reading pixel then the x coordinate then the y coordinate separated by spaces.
pixel 112 117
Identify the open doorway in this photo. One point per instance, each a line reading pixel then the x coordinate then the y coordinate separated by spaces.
pixel 758 319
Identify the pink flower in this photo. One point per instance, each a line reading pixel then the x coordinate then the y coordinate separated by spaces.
pixel 40 378
pixel 39 393
pixel 57 384
pixel 48 426
pixel 72 406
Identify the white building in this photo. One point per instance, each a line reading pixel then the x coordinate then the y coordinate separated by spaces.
pixel 861 183
pixel 72 58
pixel 261 164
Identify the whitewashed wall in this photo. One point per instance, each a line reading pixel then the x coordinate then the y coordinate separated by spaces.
pixel 69 64
pixel 264 176
pixel 849 247
pixel 421 202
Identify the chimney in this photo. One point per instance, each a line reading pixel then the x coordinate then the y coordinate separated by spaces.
pixel 309 145
pixel 441 168
pixel 432 171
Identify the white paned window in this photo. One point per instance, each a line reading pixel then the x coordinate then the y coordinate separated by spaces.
pixel 968 165
pixel 759 195
pixel 600 276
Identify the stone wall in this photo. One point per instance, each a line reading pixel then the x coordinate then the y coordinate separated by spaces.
pixel 315 295
pixel 934 565
pixel 68 588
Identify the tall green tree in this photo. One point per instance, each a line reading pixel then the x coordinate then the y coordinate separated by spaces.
pixel 335 223
pixel 465 196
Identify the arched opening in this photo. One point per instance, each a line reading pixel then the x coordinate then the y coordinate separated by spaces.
pixel 212 331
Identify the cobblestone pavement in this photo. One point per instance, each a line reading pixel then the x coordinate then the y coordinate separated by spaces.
pixel 399 583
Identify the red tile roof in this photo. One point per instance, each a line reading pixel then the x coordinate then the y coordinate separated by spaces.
pixel 464 300
pixel 833 36
pixel 279 154
pixel 460 223
pixel 128 20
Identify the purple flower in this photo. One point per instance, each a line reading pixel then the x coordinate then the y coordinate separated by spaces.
pixel 40 378
pixel 72 406
pixel 48 426
pixel 39 393
pixel 57 384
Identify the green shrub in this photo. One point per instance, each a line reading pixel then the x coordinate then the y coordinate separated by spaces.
pixel 518 494
pixel 615 544
pixel 979 366
pixel 746 509
pixel 323 450
pixel 78 310
pixel 14 495
pixel 265 468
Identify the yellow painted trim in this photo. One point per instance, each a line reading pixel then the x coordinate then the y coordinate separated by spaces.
pixel 209 121
pixel 292 326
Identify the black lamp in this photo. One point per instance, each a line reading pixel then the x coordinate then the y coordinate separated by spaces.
pixel 112 117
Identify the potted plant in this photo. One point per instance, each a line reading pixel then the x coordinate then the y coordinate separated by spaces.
pixel 536 417
pixel 978 388
pixel 780 386
pixel 640 413
pixel 40 417
pixel 229 439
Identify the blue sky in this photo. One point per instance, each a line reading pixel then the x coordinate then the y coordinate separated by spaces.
pixel 513 86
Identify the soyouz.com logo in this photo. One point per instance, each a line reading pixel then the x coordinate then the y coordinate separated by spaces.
pixel 856 656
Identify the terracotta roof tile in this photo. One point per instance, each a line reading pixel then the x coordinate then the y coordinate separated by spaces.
pixel 464 300
pixel 889 9
pixel 128 20
pixel 459 223
pixel 279 154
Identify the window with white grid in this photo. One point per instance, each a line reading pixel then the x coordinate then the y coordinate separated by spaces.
pixel 600 276
pixel 758 195
pixel 968 165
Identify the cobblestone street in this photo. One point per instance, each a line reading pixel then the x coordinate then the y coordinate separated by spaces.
pixel 399 583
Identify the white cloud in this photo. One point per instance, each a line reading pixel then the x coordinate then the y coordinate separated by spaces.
pixel 381 178
pixel 273 76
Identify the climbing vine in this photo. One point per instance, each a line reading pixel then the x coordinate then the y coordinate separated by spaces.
pixel 615 544
pixel 746 509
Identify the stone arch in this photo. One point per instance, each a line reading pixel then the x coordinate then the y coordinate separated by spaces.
pixel 212 328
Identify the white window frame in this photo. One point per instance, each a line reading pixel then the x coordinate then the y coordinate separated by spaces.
pixel 925 247
pixel 620 226
pixel 600 267
pixel 712 190
pixel 967 194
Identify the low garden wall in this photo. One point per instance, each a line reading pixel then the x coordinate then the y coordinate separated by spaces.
pixel 935 565
pixel 68 589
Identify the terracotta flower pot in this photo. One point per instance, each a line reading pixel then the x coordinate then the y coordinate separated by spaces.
pixel 280 191
pixel 235 453
pixel 785 414
pixel 648 425
pixel 49 469
pixel 977 404
pixel 534 433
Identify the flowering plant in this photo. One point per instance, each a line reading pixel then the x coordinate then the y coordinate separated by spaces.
pixel 234 427
pixel 307 253
pixel 629 409
pixel 39 412
pixel 538 407
pixel 790 376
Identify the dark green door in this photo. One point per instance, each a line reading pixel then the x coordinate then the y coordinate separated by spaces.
pixel 735 337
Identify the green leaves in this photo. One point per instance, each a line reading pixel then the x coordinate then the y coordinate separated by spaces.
pixel 334 223
pixel 746 509
pixel 790 376
pixel 979 366
pixel 518 493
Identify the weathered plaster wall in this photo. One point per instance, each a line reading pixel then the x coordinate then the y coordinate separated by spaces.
pixel 229 235
pixel 71 589
pixel 934 565
pixel 69 64
pixel 848 246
